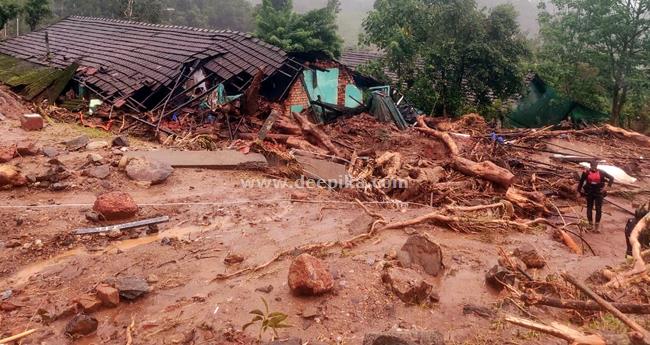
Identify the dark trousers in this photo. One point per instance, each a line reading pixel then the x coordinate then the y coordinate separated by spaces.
pixel 594 199
pixel 628 232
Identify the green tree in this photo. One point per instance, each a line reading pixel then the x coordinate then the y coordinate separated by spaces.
pixel 597 51
pixel 8 10
pixel 316 30
pixel 35 11
pixel 448 54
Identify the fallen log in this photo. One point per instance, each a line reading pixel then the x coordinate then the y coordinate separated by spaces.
pixel 573 336
pixel 642 335
pixel 626 308
pixel 316 133
pixel 485 170
pixel 633 136
pixel 568 240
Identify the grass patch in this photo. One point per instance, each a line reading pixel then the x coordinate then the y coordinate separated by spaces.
pixel 607 323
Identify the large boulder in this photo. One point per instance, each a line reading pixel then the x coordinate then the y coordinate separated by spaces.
pixel 309 276
pixel 529 255
pixel 420 250
pixel 409 286
pixel 404 338
pixel 151 171
pixel 115 206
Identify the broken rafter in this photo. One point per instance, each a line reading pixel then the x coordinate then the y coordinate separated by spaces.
pixel 627 308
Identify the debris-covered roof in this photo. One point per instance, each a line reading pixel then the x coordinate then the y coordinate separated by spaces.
pixel 120 57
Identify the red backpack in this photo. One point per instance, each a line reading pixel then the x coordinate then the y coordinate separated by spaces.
pixel 593 177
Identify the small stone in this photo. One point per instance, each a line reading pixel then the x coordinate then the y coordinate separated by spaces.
pixel 114 233
pixel 497 276
pixel 89 304
pixel 108 295
pixel 420 250
pixel 77 143
pixel 120 141
pixel 132 287
pixel 309 276
pixel 59 186
pixel 95 158
pixel 8 306
pixel 391 255
pixel 31 122
pixel 408 285
pixel 92 216
pixel 10 175
pixel 530 256
pixel 152 278
pixel 50 152
pixel 310 311
pixel 38 244
pixel 98 172
pixel 115 206
pixel 5 295
pixel 96 145
pixel 7 153
pixel 152 171
pixel 265 289
pixel 13 244
pixel 124 161
pixel 27 148
pixel 232 259
pixel 80 325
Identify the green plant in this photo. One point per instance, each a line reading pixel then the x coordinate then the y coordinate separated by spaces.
pixel 267 319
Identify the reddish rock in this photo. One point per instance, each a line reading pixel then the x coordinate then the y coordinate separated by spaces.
pixel 309 276
pixel 80 325
pixel 530 256
pixel 409 286
pixel 8 306
pixel 420 250
pixel 115 206
pixel 108 295
pixel 31 122
pixel 10 175
pixel 7 153
pixel 89 304
pixel 26 148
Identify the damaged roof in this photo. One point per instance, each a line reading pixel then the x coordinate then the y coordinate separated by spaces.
pixel 120 57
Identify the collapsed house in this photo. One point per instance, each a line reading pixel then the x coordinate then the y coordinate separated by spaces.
pixel 158 72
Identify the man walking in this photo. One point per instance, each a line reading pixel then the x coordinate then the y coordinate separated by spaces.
pixel 592 186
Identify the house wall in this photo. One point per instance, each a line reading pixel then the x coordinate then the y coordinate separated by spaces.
pixel 297 95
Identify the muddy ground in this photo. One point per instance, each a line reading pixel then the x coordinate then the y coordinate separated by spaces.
pixel 212 215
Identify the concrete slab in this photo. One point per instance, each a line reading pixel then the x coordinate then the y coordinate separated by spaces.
pixel 323 170
pixel 220 159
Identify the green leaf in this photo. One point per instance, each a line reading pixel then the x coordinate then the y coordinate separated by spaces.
pixel 276 313
pixel 283 325
pixel 266 305
pixel 277 320
pixel 256 312
pixel 247 325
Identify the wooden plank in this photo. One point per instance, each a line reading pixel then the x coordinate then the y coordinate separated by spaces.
pixel 220 159
pixel 123 226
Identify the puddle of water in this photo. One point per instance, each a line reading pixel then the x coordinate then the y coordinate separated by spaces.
pixel 21 277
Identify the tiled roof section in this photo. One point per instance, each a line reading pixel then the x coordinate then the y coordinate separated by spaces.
pixel 354 58
pixel 130 55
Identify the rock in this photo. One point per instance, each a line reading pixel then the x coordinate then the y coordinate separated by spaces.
pixel 95 158
pixel 50 152
pixel 420 250
pixel 107 295
pixel 89 304
pixel 80 325
pixel 59 186
pixel 265 289
pixel 497 276
pixel 114 233
pixel 120 141
pixel 10 175
pixel 31 122
pixel 77 143
pixel 290 341
pixel 13 244
pixel 310 311
pixel 26 148
pixel 8 306
pixel 529 255
pixel 96 145
pixel 408 285
pixel 391 254
pixel 404 338
pixel 484 312
pixel 152 278
pixel 361 224
pixel 121 165
pixel 115 206
pixel 152 171
pixel 7 153
pixel 92 216
pixel 131 288
pixel 5 295
pixel 232 259
pixel 309 276
pixel 98 172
